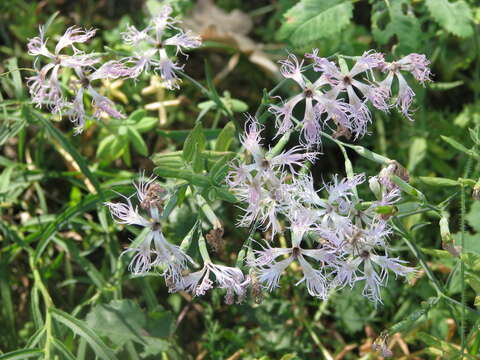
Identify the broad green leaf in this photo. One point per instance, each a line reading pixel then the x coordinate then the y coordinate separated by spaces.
pixel 455 17
pixel 195 142
pixel 473 216
pixel 471 242
pixel 401 25
pixel 119 320
pixel 137 141
pixel 310 20
pixel 225 137
pixel 80 328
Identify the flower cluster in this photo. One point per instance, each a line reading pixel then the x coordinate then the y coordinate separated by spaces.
pixel 340 96
pixel 150 47
pixel 261 184
pixel 46 87
pixel 154 251
pixel 344 237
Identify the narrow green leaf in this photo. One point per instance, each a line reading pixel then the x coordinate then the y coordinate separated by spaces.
pixel 407 188
pixel 443 86
pixel 194 179
pixel 459 147
pixel 62 349
pixel 198 162
pixel 195 141
pixel 225 194
pixel 6 295
pixel 225 137
pixel 80 328
pixel 65 143
pixel 93 273
pixel 88 203
pixel 417 152
pixel 219 170
pixel 21 354
pixel 213 92
pixel 370 155
pixel 137 141
pixel 104 148
pixel 146 124
pixel 35 338
pixel 436 181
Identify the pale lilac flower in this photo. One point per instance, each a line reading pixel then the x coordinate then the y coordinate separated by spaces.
pixel 291 68
pixel 261 184
pixel 360 262
pixel 270 270
pixel 45 85
pixel 358 113
pixel 150 44
pixel 154 250
pixel 101 104
pixel 417 65
pixel 226 277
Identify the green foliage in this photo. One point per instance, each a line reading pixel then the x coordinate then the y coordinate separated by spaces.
pixel 393 21
pixel 310 20
pixel 455 17
pixel 65 288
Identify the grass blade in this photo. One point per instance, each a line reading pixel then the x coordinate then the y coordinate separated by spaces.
pixel 80 328
pixel 21 354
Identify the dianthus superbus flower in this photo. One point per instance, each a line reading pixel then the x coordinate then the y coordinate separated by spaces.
pixel 150 47
pixel 340 96
pixel 261 184
pixel 199 282
pixel 154 250
pixel 45 88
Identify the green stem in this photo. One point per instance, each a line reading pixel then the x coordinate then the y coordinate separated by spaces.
pixel 279 146
pixel 202 88
pixel 48 303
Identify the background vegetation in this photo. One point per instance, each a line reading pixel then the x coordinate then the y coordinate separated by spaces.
pixel 62 282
